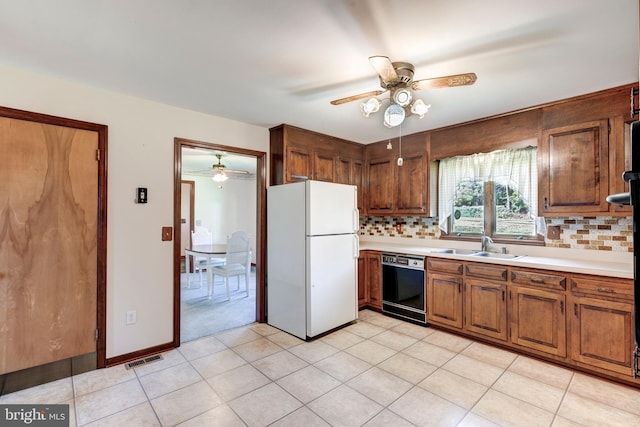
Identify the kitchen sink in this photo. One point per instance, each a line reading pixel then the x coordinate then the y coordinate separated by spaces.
pixel 497 255
pixel 458 251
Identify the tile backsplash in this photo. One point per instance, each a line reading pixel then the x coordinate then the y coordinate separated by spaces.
pixel 592 233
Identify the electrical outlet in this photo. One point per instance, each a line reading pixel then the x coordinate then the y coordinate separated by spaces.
pixel 132 317
pixel 553 232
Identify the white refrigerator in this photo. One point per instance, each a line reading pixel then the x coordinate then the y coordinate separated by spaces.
pixel 312 257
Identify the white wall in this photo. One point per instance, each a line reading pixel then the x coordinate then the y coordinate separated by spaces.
pixel 227 209
pixel 140 154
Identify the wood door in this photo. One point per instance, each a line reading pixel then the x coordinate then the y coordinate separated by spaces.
pixel 411 186
pixel 444 301
pixel 380 196
pixel 49 235
pixel 538 320
pixel 574 169
pixel 602 334
pixel 486 308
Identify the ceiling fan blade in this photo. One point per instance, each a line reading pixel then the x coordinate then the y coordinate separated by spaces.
pixel 356 97
pixel 384 67
pixel 445 81
pixel 237 171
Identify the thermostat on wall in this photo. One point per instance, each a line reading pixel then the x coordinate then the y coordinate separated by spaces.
pixel 141 195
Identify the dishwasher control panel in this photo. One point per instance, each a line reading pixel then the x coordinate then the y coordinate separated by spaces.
pixel 403 261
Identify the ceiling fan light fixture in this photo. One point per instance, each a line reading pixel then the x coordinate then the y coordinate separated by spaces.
pixel 393 115
pixel 419 108
pixel 371 106
pixel 402 97
pixel 219 177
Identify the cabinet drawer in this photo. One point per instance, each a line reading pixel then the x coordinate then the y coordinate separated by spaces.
pixel 486 271
pixel 604 287
pixel 539 279
pixel 452 267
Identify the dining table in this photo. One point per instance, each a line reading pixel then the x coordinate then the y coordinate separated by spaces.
pixel 215 251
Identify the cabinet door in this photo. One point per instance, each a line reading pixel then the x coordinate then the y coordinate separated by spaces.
pixel 411 185
pixel 374 279
pixel 380 186
pixel 324 167
pixel 619 159
pixel 444 300
pixel 298 164
pixel 602 334
pixel 343 171
pixel 486 308
pixel 362 281
pixel 538 320
pixel 574 169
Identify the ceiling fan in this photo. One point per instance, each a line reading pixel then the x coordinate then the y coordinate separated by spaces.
pixel 397 79
pixel 220 172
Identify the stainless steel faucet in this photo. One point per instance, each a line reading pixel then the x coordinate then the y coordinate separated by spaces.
pixel 485 242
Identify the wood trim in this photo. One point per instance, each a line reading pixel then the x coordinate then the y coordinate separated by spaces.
pixel 101 244
pixel 261 229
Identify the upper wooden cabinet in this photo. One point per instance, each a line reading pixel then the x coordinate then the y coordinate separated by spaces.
pixel 619 159
pixel 394 189
pixel 299 167
pixel 380 177
pixel 574 169
pixel 297 155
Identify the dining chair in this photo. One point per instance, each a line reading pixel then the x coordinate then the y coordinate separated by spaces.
pixel 237 262
pixel 201 236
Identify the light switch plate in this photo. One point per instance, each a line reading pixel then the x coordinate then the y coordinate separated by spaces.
pixel 167 234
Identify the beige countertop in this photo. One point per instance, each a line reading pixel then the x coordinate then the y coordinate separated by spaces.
pixel 571 261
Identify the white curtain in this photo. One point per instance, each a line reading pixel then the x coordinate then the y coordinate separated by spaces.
pixel 517 167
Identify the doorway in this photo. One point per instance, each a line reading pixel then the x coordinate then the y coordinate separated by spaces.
pixel 52 268
pixel 180 217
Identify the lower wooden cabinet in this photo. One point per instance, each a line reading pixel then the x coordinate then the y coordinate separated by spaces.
pixel 486 308
pixel 444 299
pixel 370 279
pixel 538 320
pixel 578 320
pixel 362 280
pixel 602 334
pixel 374 279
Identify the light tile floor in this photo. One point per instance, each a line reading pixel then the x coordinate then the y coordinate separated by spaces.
pixel 379 371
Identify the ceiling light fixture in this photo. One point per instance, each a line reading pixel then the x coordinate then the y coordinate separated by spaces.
pixel 220 177
pixel 401 106
pixel 419 108
pixel 371 106
pixel 402 97
pixel 393 115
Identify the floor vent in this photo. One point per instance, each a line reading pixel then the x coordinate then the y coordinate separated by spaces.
pixel 141 362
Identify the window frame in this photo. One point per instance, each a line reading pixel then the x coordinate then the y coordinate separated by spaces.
pixel 489 225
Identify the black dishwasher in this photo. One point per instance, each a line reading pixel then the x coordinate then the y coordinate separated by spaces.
pixel 403 286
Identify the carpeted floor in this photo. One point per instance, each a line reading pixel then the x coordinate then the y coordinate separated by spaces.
pixel 201 316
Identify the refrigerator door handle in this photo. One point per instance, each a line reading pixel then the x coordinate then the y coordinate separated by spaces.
pixel 356 246
pixel 356 220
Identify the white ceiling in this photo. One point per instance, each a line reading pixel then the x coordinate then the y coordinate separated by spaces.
pixel 267 62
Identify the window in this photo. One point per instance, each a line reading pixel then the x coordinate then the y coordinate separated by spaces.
pixel 495 193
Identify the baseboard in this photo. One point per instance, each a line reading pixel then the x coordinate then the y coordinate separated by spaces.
pixel 124 358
